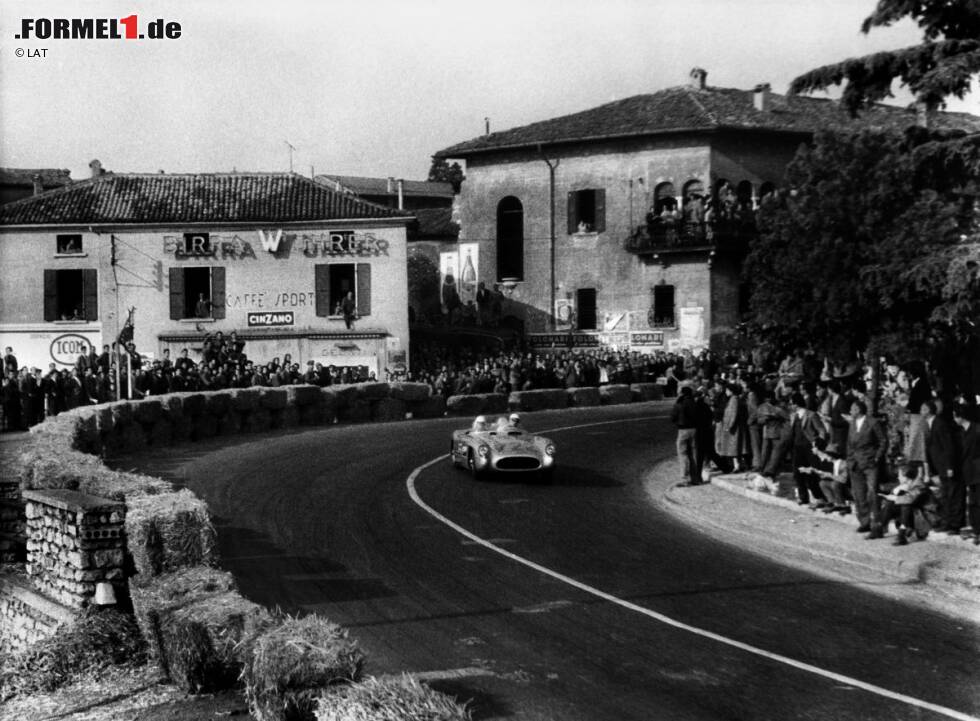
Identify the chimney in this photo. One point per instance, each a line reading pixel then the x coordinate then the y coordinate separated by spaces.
pixel 486 124
pixel 762 97
pixel 391 185
pixel 38 188
pixel 401 194
pixel 923 114
pixel 698 78
pixel 96 167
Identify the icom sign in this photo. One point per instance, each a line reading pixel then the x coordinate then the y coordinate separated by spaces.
pixel 65 349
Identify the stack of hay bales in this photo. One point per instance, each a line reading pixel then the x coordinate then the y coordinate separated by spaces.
pixel 647 392
pixel 168 531
pixel 538 400
pixel 615 394
pixel 194 621
pixel 580 397
pixel 476 404
pixel 289 666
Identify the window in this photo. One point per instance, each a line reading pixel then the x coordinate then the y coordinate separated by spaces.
pixel 587 211
pixel 663 307
pixel 585 303
pixel 333 281
pixel 197 292
pixel 664 199
pixel 510 239
pixel 68 244
pixel 71 294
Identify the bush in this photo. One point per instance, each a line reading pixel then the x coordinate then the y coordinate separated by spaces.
pixel 288 666
pixel 97 639
pixel 390 699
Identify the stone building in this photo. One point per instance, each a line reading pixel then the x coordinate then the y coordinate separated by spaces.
pixel 626 224
pixel 268 255
pixel 17 183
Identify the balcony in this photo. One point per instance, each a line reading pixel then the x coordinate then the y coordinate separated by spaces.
pixel 662 236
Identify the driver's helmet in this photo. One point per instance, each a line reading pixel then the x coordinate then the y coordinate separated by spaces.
pixel 480 423
pixel 515 419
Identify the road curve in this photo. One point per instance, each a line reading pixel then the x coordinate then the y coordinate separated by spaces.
pixel 324 521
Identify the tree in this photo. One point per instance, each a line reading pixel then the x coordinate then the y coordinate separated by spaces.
pixel 441 171
pixel 423 285
pixel 859 253
pixel 943 64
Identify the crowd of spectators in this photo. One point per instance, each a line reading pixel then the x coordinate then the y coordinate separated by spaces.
pixel 29 395
pixel 915 463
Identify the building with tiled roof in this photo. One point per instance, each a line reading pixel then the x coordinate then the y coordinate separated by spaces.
pixel 625 224
pixel 17 183
pixel 393 192
pixel 269 255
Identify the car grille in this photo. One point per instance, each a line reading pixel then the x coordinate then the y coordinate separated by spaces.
pixel 518 463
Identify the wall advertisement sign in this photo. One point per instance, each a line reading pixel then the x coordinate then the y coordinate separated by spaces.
pixel 266 320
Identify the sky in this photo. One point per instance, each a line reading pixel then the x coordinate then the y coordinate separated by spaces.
pixel 375 87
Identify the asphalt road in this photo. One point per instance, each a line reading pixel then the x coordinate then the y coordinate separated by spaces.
pixel 607 609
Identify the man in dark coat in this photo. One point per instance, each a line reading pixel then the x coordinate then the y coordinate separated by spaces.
pixel 806 430
pixel 969 431
pixel 684 416
pixel 941 462
pixel 866 447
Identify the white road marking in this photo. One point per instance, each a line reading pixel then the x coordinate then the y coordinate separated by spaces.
pixel 800 665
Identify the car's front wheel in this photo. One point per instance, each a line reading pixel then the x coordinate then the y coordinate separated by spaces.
pixel 471 465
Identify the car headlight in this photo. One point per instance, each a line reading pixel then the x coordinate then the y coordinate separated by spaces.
pixel 550 449
pixel 484 451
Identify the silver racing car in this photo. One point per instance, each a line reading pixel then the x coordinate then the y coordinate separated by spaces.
pixel 501 445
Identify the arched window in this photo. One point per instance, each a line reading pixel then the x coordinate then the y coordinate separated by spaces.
pixel 510 239
pixel 664 198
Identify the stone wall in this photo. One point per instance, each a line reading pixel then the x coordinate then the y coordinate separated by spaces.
pixel 12 524
pixel 74 541
pixel 25 615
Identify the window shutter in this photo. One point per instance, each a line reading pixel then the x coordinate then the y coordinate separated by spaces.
pixel 572 219
pixel 50 294
pixel 218 292
pixel 321 288
pixel 176 293
pixel 363 289
pixel 90 293
pixel 600 210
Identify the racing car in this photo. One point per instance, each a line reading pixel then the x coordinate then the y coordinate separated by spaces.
pixel 501 445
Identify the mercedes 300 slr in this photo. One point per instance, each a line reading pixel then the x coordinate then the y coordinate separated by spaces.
pixel 502 446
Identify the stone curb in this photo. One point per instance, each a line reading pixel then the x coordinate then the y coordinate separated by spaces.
pixel 899 569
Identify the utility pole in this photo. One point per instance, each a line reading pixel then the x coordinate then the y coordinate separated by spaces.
pixel 551 188
pixel 291 149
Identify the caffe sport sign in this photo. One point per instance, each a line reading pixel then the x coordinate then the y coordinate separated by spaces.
pixel 270 319
pixel 65 349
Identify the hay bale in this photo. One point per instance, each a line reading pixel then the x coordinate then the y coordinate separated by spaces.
pixel 312 414
pixel 132 438
pixel 303 395
pixel 358 411
pixel 288 417
pixel 410 391
pixel 388 409
pixel 245 399
pixel 122 414
pixel 258 421
pixel 615 394
pixel 168 531
pixel 219 403
pixel 647 392
pixel 148 411
pixel 579 397
pixel 471 405
pixel 273 399
pixel 204 426
pixel 288 666
pixel 161 434
pixel 373 391
pixel 431 407
pixel 329 405
pixel 344 394
pixel 537 400
pixel 389 699
pixel 193 404
pixel 195 621
pixel 230 424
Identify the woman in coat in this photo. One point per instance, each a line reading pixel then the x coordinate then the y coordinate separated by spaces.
pixel 732 433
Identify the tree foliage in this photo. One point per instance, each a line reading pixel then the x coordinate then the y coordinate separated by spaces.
pixel 942 65
pixel 874 246
pixel 442 171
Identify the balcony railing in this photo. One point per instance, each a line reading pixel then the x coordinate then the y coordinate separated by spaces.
pixel 665 235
